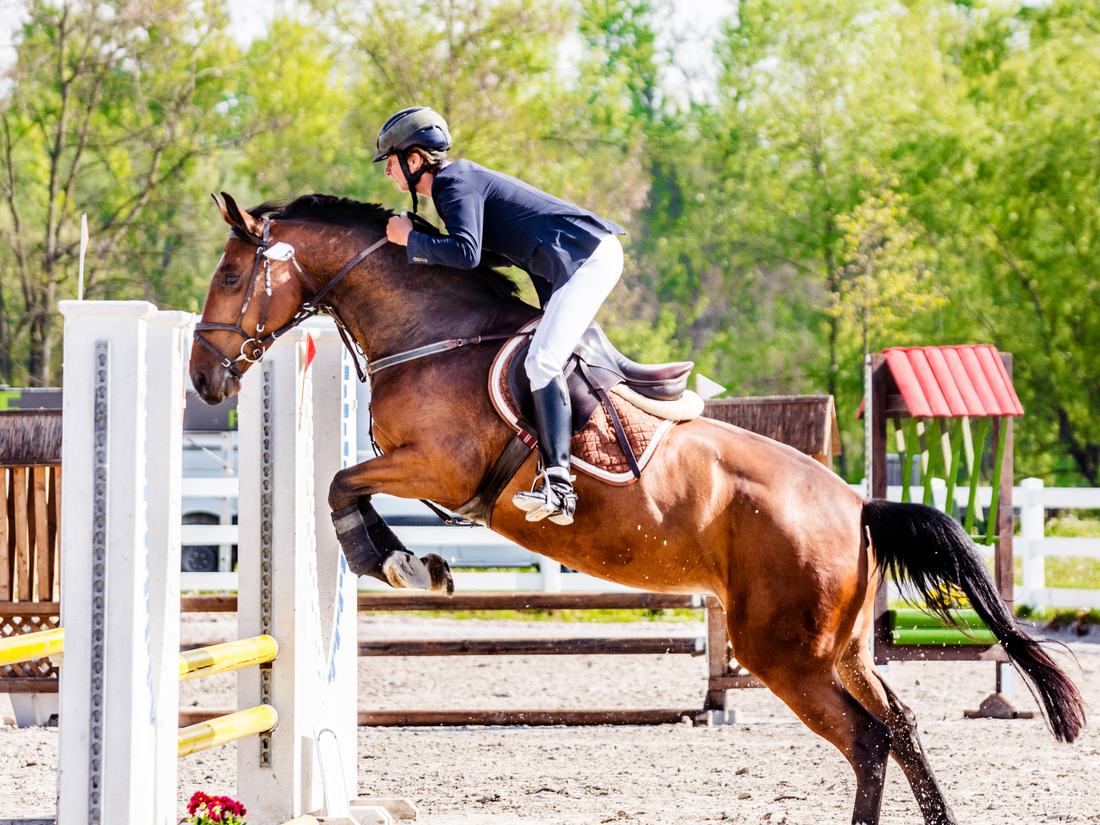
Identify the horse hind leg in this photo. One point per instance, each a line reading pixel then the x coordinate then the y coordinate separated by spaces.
pixel 823 703
pixel 858 673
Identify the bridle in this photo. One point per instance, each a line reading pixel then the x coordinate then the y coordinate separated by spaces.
pixel 252 346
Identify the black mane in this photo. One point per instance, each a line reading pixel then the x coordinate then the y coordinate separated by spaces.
pixel 326 209
pixel 351 213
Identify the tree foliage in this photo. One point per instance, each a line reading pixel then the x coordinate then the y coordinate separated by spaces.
pixel 111 110
pixel 865 173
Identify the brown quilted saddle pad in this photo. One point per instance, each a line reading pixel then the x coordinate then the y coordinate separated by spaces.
pixel 596 449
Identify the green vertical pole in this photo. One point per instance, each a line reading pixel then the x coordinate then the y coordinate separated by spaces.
pixel 899 436
pixel 998 463
pixel 953 472
pixel 931 463
pixel 968 444
pixel 910 455
pixel 975 471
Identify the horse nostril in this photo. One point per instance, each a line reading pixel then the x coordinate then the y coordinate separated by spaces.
pixel 199 381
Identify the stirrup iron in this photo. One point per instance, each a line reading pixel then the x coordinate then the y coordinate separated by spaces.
pixel 551 497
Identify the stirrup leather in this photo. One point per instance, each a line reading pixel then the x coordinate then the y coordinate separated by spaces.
pixel 551 497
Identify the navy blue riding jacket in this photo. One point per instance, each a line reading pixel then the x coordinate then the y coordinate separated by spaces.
pixel 487 211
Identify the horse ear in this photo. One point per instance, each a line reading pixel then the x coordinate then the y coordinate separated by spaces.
pixel 235 216
pixel 222 209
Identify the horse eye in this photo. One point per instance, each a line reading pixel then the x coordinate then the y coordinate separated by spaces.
pixel 230 278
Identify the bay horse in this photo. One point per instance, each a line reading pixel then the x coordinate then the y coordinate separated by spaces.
pixel 793 554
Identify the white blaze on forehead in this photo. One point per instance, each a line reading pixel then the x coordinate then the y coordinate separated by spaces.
pixel 221 261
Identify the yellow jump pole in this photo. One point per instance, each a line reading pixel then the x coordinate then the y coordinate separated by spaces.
pixel 228 728
pixel 205 661
pixel 32 646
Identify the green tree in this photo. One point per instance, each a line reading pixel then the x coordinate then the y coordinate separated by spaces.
pixel 882 278
pixel 109 108
pixel 1028 219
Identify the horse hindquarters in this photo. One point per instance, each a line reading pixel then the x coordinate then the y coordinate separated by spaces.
pixel 927 548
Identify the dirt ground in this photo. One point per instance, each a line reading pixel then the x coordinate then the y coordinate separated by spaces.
pixel 768 768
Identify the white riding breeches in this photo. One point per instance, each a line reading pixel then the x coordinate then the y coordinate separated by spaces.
pixel 570 310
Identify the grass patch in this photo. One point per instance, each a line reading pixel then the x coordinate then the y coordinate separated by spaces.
pixel 679 614
pixel 1073 527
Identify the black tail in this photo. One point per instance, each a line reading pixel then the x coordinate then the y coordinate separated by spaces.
pixel 925 548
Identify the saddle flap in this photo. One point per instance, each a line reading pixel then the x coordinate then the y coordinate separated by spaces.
pixel 602 436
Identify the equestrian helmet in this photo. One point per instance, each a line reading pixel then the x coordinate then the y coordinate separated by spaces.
pixel 418 127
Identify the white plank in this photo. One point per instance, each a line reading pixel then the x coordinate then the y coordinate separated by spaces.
pixel 211 487
pixel 203 534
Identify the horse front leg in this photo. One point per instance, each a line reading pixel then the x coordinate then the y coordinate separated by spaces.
pixel 369 545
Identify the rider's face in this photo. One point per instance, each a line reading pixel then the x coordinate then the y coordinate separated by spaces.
pixel 393 169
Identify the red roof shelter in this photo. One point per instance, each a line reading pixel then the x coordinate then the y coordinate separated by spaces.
pixel 950 382
pixel 929 397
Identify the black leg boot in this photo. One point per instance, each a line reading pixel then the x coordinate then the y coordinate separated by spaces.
pixel 372 549
pixel 363 557
pixel 400 566
pixel 552 496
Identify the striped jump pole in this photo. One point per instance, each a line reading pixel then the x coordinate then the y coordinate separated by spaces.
pixel 206 661
pixel 228 728
pixel 194 664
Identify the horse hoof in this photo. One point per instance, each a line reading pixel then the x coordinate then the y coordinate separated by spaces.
pixel 403 569
pixel 442 581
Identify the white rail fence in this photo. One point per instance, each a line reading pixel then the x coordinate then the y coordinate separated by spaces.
pixel 1031 499
pixel 1033 545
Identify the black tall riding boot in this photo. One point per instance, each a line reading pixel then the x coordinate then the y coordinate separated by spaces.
pixel 553 494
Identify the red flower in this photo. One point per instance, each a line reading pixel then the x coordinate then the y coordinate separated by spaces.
pixel 215 810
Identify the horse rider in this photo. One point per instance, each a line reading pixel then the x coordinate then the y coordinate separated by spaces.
pixel 573 257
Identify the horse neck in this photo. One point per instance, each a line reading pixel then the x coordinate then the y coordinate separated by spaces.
pixel 390 306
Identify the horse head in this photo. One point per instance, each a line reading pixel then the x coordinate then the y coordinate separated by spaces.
pixel 257 289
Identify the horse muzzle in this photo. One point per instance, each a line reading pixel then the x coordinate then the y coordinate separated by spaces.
pixel 213 382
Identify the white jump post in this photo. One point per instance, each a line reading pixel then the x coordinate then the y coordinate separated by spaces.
pixel 121 559
pixel 293 582
pixel 120 552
